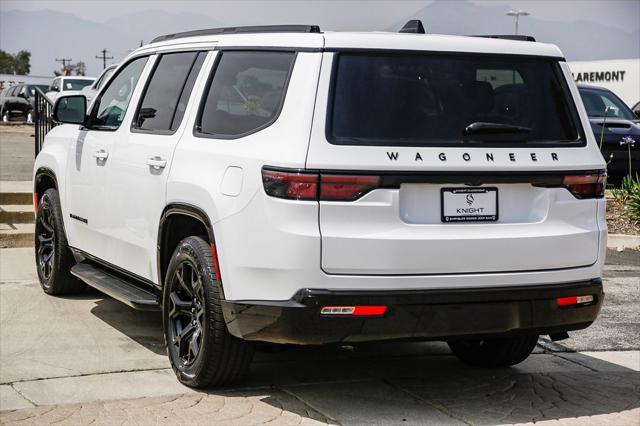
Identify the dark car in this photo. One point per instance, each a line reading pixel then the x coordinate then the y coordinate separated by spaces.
pixel 17 101
pixel 620 129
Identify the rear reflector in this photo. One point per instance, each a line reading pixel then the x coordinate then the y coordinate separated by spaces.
pixel 575 300
pixel 586 186
pixel 356 311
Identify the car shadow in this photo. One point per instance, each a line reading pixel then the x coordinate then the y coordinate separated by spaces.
pixel 408 382
pixel 143 327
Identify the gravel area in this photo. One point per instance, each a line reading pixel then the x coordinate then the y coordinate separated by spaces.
pixel 618 219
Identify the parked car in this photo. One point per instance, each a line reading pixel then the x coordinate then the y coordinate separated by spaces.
pixel 62 84
pixel 620 122
pixel 18 101
pixel 284 185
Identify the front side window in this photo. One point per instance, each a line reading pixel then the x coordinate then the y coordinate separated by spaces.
pixel 55 85
pixel 105 77
pixel 246 93
pixel 111 107
pixel 167 93
pixel 417 99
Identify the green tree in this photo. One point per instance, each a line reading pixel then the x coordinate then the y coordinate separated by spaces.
pixel 22 62
pixel 15 64
pixel 6 63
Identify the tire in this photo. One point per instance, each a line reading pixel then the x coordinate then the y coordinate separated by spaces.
pixel 53 257
pixel 501 352
pixel 201 350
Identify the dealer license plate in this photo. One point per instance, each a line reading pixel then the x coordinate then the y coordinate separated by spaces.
pixel 469 204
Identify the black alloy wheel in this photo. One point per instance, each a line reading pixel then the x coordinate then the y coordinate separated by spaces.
pixel 201 350
pixel 186 312
pixel 54 259
pixel 45 242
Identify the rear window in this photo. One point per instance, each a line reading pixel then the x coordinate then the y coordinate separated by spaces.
pixel 419 99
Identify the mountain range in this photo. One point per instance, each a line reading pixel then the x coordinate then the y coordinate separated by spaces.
pixel 50 34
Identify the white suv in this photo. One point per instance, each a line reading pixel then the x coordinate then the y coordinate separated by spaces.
pixel 284 185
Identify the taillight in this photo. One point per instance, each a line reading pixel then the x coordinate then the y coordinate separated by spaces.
pixel 575 300
pixel 292 185
pixel 354 311
pixel 346 187
pixel 303 185
pixel 586 186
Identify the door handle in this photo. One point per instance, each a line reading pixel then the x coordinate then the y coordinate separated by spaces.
pixel 101 155
pixel 156 162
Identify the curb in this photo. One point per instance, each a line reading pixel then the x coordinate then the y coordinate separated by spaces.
pixel 617 241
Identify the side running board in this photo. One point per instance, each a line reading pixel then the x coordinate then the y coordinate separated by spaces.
pixel 116 287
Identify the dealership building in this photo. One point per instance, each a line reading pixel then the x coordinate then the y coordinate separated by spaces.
pixel 621 76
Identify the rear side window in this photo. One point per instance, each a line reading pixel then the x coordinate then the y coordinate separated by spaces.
pixel 246 93
pixel 165 98
pixel 418 99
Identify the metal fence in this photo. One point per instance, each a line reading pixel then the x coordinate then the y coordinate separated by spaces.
pixel 42 120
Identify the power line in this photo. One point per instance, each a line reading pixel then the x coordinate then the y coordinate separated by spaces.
pixel 65 65
pixel 104 57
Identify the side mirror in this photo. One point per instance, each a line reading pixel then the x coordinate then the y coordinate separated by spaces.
pixel 70 109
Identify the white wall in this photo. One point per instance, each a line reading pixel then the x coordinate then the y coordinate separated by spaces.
pixel 621 76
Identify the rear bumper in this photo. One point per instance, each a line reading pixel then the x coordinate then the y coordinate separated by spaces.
pixel 415 314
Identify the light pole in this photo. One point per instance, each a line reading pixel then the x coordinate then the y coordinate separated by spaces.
pixel 517 14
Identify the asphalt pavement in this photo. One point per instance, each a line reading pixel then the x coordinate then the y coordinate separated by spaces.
pixel 90 359
pixel 16 152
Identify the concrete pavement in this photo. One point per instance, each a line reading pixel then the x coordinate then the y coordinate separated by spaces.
pixel 90 359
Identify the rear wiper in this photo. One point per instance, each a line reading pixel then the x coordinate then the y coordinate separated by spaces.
pixel 480 128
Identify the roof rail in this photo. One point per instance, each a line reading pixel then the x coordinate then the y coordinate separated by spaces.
pixel 508 37
pixel 413 26
pixel 242 30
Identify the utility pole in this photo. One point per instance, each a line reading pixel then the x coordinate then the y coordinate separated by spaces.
pixel 65 62
pixel 517 14
pixel 104 57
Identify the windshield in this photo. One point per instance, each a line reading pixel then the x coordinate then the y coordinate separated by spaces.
pixel 76 84
pixel 596 100
pixel 43 87
pixel 426 99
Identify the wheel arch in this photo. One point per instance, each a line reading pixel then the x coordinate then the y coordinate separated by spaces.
pixel 178 221
pixel 44 179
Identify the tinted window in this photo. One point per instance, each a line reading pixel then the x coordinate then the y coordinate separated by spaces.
pixel 11 91
pixel 166 96
pixel 246 92
pixel 110 108
pixel 426 99
pixel 595 101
